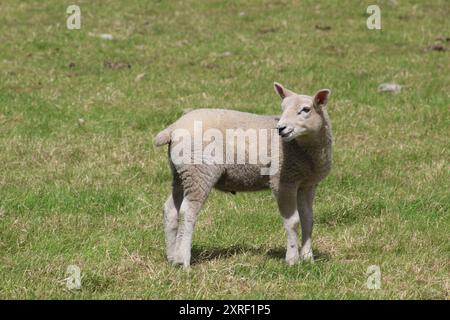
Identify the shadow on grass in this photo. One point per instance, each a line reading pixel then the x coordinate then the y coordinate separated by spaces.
pixel 204 254
pixel 279 253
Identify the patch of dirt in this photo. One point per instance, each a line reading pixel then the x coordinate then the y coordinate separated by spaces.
pixel 439 44
pixel 116 65
pixel 322 28
pixel 267 30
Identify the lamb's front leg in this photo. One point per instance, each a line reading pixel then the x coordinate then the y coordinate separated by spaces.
pixel 287 204
pixel 305 207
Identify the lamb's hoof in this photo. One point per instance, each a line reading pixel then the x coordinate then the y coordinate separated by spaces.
pixel 177 261
pixel 185 266
pixel 292 260
pixel 170 258
pixel 308 256
pixel 180 261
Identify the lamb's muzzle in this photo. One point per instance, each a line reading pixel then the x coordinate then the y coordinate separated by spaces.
pixel 302 151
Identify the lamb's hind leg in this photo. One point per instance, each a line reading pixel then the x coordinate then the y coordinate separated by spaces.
pixel 188 217
pixel 287 203
pixel 198 183
pixel 171 210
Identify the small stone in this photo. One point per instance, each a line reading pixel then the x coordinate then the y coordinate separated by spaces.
pixel 226 54
pixel 139 77
pixel 106 36
pixel 389 87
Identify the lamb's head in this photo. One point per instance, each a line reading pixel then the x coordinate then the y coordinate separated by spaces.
pixel 302 116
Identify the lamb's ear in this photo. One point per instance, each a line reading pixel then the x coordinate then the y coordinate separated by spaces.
pixel 321 98
pixel 282 91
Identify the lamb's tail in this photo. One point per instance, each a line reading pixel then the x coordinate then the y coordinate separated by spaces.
pixel 163 137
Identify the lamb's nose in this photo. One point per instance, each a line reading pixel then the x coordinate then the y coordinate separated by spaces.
pixel 280 128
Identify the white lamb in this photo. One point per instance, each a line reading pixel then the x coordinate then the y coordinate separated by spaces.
pixel 303 157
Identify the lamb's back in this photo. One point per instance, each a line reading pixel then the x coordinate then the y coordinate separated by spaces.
pixel 223 119
pixel 233 176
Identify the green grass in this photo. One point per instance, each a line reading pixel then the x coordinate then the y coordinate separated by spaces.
pixel 91 194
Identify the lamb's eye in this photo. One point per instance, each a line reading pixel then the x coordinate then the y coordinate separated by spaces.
pixel 305 110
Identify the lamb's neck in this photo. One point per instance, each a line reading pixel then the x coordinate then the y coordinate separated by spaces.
pixel 318 149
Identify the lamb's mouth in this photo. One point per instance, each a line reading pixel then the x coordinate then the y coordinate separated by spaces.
pixel 288 136
pixel 294 133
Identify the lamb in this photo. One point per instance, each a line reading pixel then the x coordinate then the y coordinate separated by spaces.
pixel 301 156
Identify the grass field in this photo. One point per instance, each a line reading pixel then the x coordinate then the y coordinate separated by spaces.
pixel 82 184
